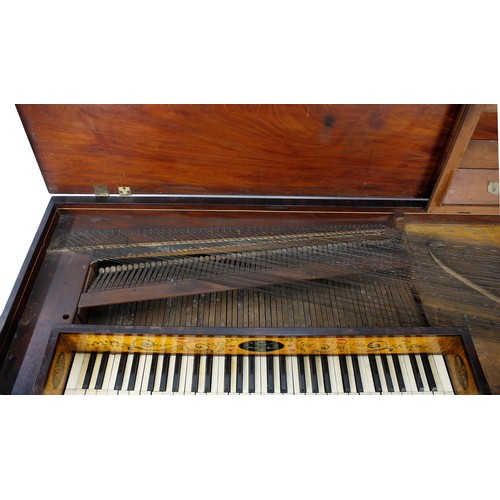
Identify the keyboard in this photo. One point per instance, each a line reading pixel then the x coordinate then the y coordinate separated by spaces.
pixel 107 373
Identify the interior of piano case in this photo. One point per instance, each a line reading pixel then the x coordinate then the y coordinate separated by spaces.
pixel 214 274
pixel 307 271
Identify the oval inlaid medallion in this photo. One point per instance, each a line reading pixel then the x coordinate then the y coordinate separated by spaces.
pixel 261 345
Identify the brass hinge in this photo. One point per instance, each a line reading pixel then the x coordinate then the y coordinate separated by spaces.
pixel 101 190
pixel 124 191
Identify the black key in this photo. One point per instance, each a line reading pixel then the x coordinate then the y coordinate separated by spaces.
pixel 387 373
pixel 239 374
pixel 270 374
pixel 314 374
pixel 133 372
pixel 428 372
pixel 177 373
pixel 164 373
pixel 345 375
pixel 196 374
pixel 399 374
pixel 208 374
pixel 375 375
pixel 357 374
pixel 227 373
pixel 416 373
pixel 283 380
pixel 251 374
pixel 121 372
pixel 302 374
pixel 90 369
pixel 102 371
pixel 326 374
pixel 152 372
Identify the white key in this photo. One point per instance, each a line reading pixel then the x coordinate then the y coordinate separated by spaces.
pixel 91 391
pixel 295 374
pixel 366 375
pixel 79 391
pixel 394 377
pixel 289 375
pixel 202 374
pixel 202 367
pixel 128 368
pixel 107 376
pixel 265 361
pixel 410 383
pixel 276 374
pixel 143 388
pixel 139 376
pixel 319 371
pixel 335 375
pixel 188 378
pixel 170 375
pixel 245 375
pixel 110 389
pixel 331 375
pixel 427 389
pixel 444 378
pixel 202 370
pixel 381 374
pixel 183 374
pixel 156 387
pixel 215 374
pixel 258 374
pixel 220 375
pixel 352 380
pixel 435 373
pixel 404 362
pixel 333 385
pixel 76 366
pixel 234 374
pixel 263 375
pixel 307 367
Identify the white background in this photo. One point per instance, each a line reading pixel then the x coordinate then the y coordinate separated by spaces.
pixel 126 52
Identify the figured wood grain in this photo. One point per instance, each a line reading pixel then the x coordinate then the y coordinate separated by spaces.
pixel 359 151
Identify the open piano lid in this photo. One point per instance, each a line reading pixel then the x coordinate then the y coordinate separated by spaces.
pixel 356 152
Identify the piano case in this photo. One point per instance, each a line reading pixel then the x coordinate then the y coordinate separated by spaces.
pixel 255 234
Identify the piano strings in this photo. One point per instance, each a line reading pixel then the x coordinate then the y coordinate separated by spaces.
pixel 363 277
pixel 360 275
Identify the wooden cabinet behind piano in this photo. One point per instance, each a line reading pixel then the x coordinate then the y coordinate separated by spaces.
pixel 337 223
